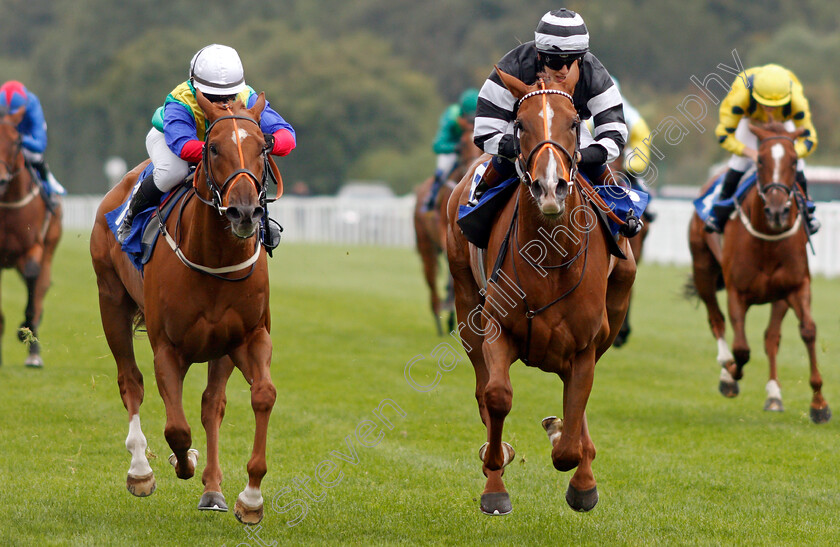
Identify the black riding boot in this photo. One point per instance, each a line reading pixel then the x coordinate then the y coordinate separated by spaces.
pixel 498 170
pixel 813 224
pixel 146 196
pixel 727 189
pixel 433 192
pixel 270 233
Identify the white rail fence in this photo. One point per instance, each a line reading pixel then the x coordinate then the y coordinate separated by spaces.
pixel 388 222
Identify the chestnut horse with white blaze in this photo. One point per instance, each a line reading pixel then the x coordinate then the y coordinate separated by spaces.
pixel 559 315
pixel 204 297
pixel 763 260
pixel 29 232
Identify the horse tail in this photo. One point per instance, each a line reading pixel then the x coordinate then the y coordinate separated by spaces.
pixel 689 291
pixel 138 322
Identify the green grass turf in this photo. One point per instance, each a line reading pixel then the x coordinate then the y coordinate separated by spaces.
pixel 677 463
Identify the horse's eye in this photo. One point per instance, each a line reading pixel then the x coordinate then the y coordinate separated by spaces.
pixel 213 149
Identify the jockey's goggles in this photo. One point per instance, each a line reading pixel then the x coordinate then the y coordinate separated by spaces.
pixel 558 62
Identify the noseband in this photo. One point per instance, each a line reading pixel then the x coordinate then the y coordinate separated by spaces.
pixel 523 165
pixel 216 189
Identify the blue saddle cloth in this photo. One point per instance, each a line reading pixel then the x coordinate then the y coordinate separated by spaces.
pixel 138 248
pixel 709 204
pixel 621 201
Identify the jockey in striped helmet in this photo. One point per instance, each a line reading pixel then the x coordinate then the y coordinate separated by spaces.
pixel 16 99
pixel 561 40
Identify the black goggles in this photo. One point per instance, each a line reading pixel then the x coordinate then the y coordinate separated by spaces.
pixel 558 62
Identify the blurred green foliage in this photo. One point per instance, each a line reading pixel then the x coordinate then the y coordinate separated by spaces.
pixel 364 82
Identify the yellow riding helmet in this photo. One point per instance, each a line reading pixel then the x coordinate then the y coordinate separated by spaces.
pixel 772 85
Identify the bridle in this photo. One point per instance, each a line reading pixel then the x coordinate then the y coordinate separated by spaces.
pixel 791 192
pixel 219 193
pixel 523 165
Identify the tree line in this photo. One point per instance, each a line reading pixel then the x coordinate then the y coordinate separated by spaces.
pixel 364 82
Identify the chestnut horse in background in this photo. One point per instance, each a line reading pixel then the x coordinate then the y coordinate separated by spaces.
pixel 430 226
pixel 560 314
pixel 29 233
pixel 762 260
pixel 204 297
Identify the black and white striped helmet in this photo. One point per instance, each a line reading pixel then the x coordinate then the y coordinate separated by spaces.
pixel 562 32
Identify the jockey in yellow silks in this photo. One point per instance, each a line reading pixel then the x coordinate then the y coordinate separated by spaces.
pixel 757 94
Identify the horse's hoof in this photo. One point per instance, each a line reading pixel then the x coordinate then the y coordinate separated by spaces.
pixel 507 450
pixel 34 361
pixel 212 501
pixel 245 514
pixel 581 501
pixel 820 415
pixel 141 486
pixel 192 456
pixel 496 503
pixel 552 425
pixel 774 404
pixel 729 389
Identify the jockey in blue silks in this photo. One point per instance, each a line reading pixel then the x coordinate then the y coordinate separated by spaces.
pixel 33 131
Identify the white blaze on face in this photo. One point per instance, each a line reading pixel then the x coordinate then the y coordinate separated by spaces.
pixel 551 179
pixel 778 152
pixel 242 135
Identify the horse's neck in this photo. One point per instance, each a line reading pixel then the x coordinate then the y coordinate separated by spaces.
pixel 207 238
pixel 561 237
pixel 21 184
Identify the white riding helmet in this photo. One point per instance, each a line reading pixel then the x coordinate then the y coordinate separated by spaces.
pixel 217 70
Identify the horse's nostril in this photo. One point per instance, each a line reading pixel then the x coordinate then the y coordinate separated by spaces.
pixel 233 213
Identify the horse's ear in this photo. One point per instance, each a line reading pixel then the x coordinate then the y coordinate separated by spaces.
pixel 758 131
pixel 204 102
pixel 514 85
pixel 796 133
pixel 17 117
pixel 572 78
pixel 259 106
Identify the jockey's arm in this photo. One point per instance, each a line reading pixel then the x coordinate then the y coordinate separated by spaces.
pixel 34 127
pixel 273 123
pixel 733 107
pixel 801 116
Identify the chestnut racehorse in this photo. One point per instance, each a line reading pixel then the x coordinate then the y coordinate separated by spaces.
pixel 560 314
pixel 29 232
pixel 763 260
pixel 204 297
pixel 430 226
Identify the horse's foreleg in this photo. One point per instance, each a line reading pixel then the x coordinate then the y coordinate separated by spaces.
pixel 29 267
pixel 117 309
pixel 772 337
pixel 801 304
pixel 170 370
pixel 429 259
pixel 254 361
pixel 498 398
pixel 568 450
pixel 213 403
pixel 740 347
pixel 582 494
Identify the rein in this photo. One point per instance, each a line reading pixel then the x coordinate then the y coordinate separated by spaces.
pixel 212 272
